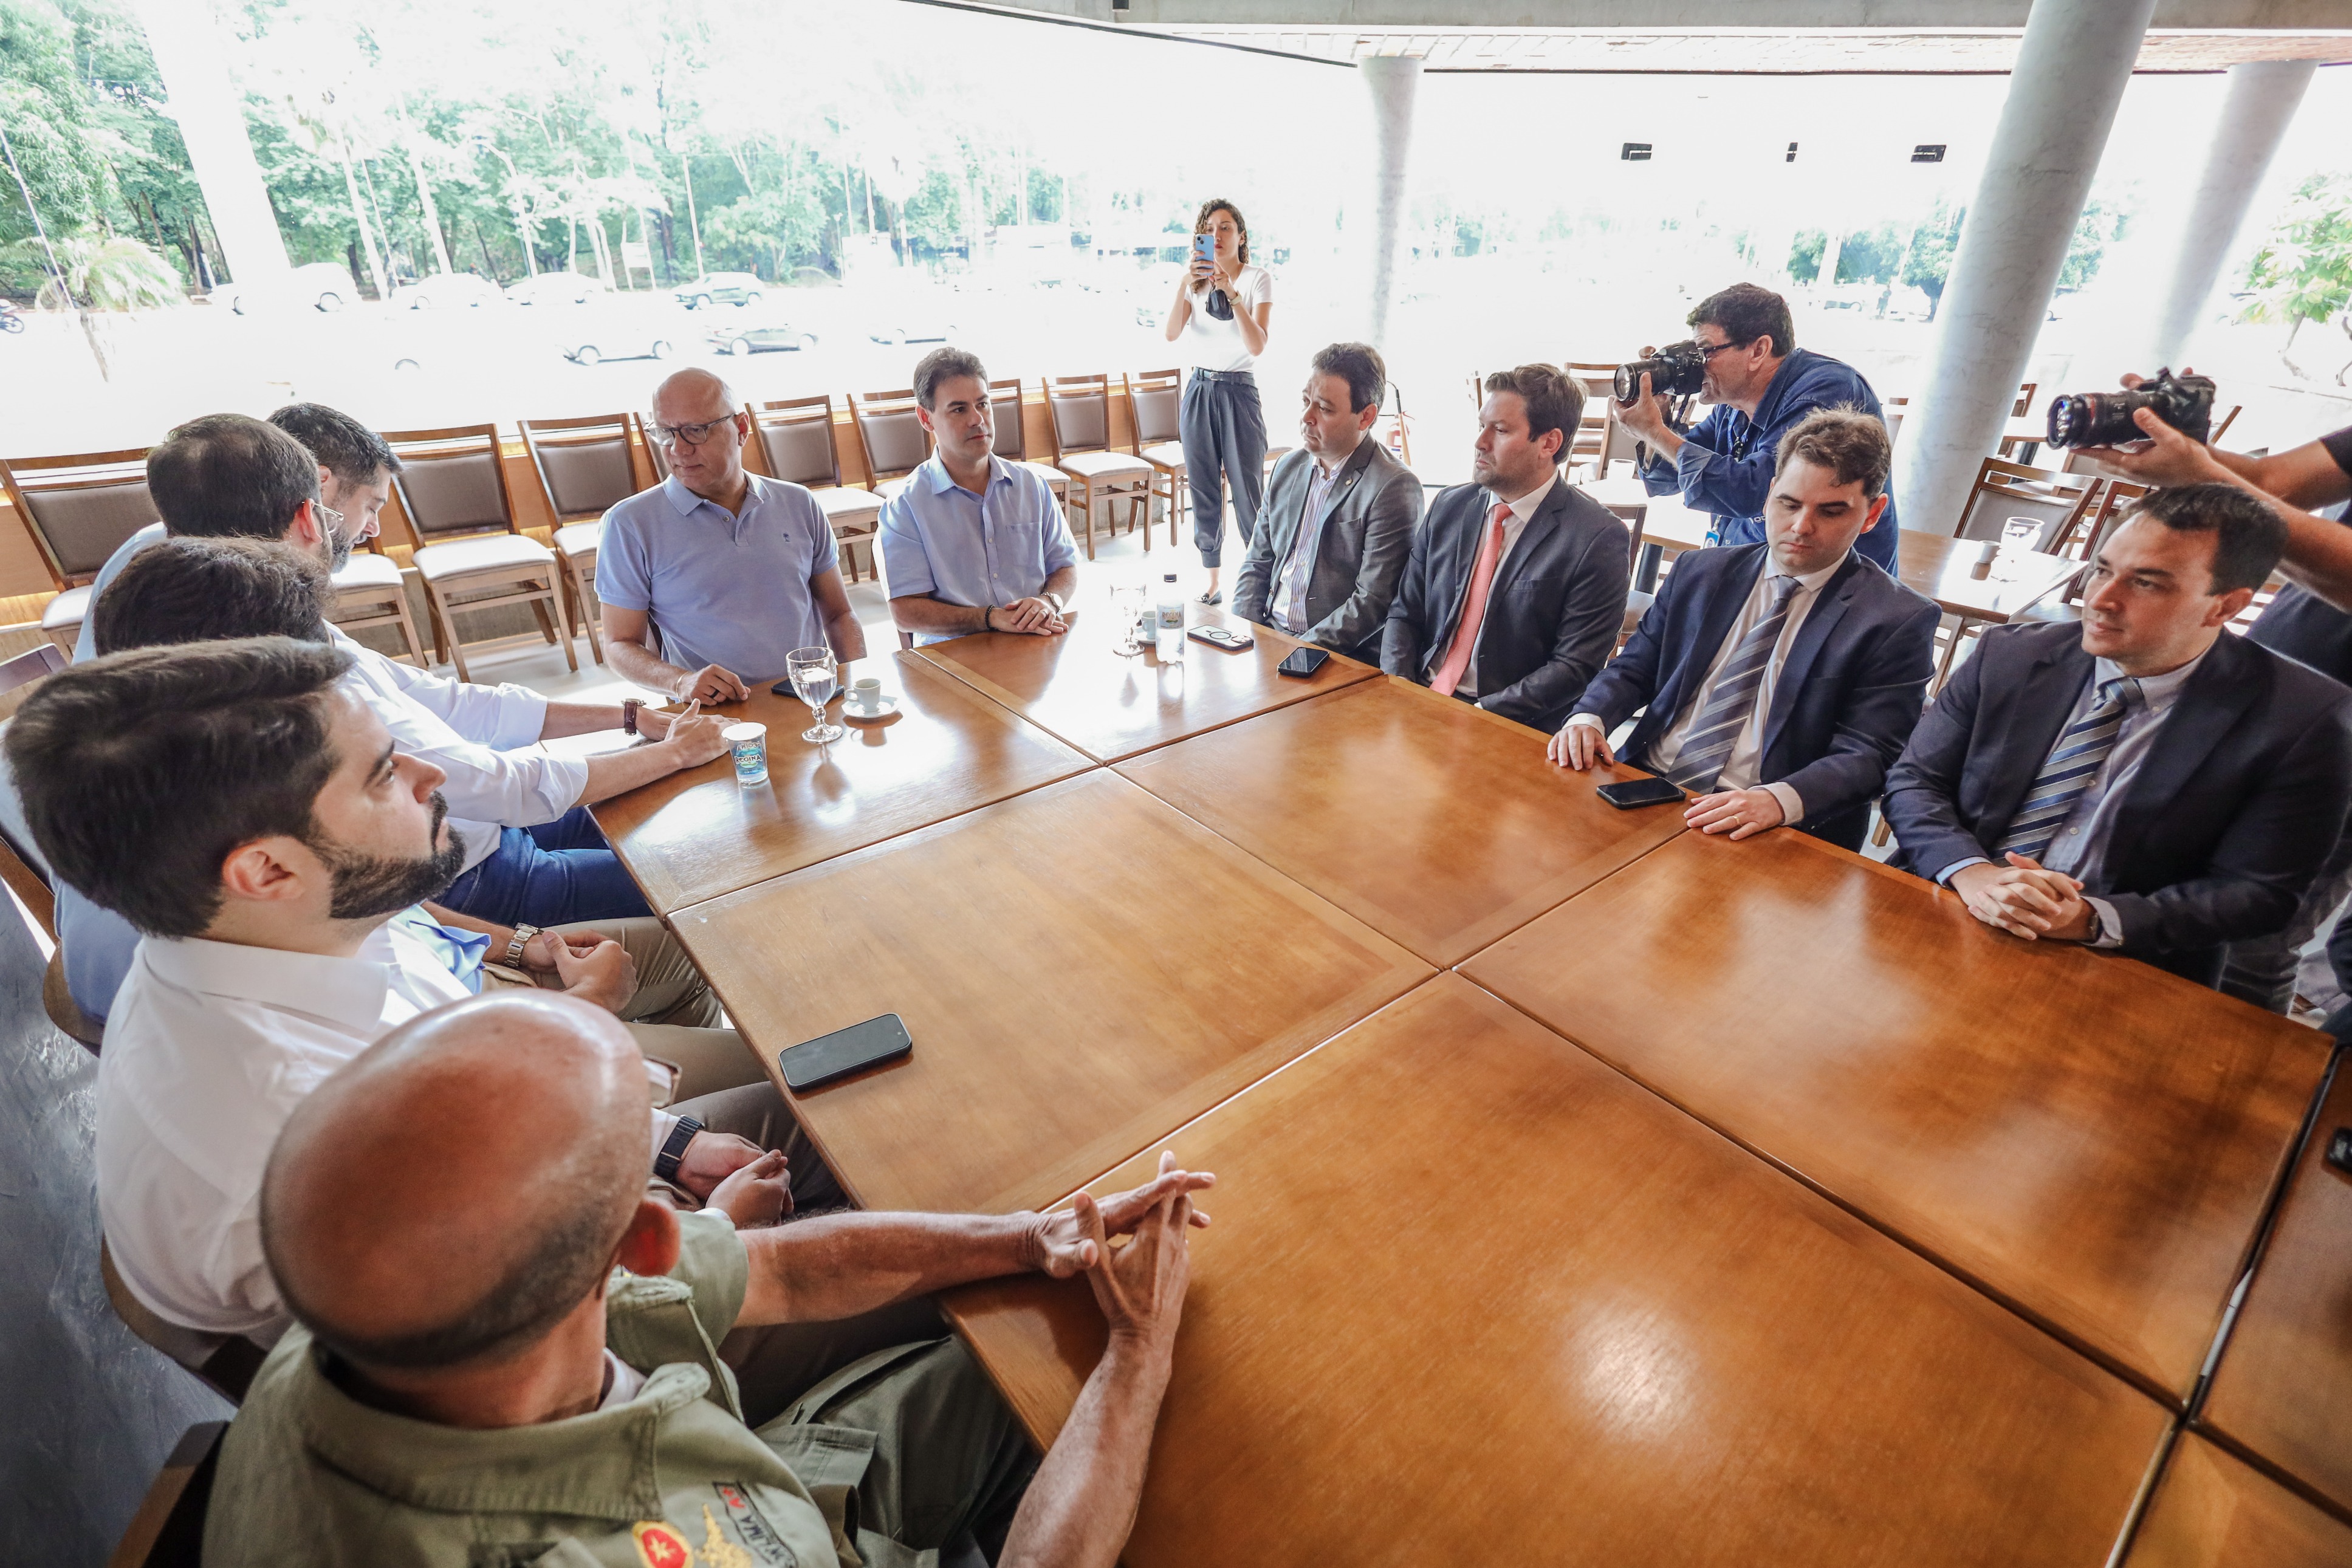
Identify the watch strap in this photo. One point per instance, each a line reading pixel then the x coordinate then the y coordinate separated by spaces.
pixel 522 935
pixel 674 1149
pixel 629 707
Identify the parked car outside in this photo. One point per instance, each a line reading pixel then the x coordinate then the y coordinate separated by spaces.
pixel 556 288
pixel 321 285
pixel 593 342
pixel 447 291
pixel 913 330
pixel 721 288
pixel 773 335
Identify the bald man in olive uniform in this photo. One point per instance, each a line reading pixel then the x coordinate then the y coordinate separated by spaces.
pixel 533 1377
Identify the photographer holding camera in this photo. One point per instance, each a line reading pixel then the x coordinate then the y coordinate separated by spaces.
pixel 1762 386
pixel 2306 623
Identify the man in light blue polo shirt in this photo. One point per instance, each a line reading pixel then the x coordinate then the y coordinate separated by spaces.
pixel 711 578
pixel 972 543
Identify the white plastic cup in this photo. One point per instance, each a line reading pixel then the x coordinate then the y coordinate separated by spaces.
pixel 749 745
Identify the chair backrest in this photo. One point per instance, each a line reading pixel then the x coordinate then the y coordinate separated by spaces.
pixel 583 464
pixel 1619 443
pixel 2024 403
pixel 795 440
pixel 2222 425
pixel 2099 519
pixel 1891 412
pixel 1599 382
pixel 168 1530
pixel 1011 439
pixel 226 1361
pixel 890 431
pixel 79 507
pixel 1080 409
pixel 2004 490
pixel 452 483
pixel 1153 399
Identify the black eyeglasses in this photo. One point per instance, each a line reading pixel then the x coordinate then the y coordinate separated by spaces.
pixel 1709 351
pixel 688 434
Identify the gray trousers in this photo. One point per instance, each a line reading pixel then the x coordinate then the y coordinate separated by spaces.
pixel 2269 970
pixel 1223 432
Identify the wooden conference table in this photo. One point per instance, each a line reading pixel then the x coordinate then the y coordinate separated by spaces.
pixel 1589 1191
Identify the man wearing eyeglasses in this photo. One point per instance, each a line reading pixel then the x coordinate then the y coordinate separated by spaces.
pixel 711 579
pixel 1762 386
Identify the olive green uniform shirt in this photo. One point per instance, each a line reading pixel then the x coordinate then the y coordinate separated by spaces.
pixel 671 1478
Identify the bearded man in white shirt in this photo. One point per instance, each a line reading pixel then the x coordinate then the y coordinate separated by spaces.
pixel 241 805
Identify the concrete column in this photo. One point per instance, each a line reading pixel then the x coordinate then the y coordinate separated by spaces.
pixel 2262 98
pixel 2071 72
pixel 185 39
pixel 1392 80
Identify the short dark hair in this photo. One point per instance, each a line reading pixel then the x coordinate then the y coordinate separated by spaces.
pixel 338 443
pixel 140 772
pixel 2249 537
pixel 946 365
pixel 1746 312
pixel 1554 401
pixel 209 591
pixel 1358 364
pixel 229 476
pixel 1850 443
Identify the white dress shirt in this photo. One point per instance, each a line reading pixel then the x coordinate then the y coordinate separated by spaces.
pixel 1747 751
pixel 1289 606
pixel 476 735
pixel 208 1049
pixel 1514 522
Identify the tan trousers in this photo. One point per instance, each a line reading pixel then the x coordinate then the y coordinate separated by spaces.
pixel 673 1013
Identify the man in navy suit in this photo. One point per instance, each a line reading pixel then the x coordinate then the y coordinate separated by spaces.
pixel 1780 679
pixel 1515 588
pixel 2146 783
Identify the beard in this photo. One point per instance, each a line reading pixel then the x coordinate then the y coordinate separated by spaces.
pixel 364 887
pixel 339 548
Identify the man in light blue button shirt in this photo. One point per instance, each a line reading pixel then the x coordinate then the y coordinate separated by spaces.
pixel 972 543
pixel 711 578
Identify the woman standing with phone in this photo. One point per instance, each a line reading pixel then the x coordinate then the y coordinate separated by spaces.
pixel 1220 315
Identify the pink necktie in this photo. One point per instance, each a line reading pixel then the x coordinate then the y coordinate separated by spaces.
pixel 1473 605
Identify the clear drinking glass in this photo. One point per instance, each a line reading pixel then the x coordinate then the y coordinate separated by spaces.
pixel 2017 537
pixel 814 675
pixel 1126 614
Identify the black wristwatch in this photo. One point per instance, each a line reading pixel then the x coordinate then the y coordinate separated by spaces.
pixel 666 1163
pixel 629 706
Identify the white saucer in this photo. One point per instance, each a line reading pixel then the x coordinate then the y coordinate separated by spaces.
pixel 882 709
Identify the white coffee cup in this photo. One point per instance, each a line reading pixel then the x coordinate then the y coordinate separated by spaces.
pixel 865 695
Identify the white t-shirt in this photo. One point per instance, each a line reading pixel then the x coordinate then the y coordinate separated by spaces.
pixel 1215 345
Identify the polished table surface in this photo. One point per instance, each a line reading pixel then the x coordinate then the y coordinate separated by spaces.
pixel 1077 687
pixel 1431 821
pixel 1471 1297
pixel 2283 1389
pixel 2090 1139
pixel 2212 1510
pixel 1082 968
pixel 698 833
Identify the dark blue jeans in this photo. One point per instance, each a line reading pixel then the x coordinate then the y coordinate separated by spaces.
pixel 551 875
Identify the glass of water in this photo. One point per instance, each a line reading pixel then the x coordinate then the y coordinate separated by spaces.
pixel 814 675
pixel 1126 614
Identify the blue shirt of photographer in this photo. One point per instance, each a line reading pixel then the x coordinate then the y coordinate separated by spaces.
pixel 1726 464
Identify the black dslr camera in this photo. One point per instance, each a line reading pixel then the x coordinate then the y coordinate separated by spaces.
pixel 1678 369
pixel 2104 419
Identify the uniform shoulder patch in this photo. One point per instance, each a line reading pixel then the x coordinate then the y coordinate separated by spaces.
pixel 661 1546
pixel 767 1549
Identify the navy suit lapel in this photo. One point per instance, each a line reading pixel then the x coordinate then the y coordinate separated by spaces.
pixel 1727 594
pixel 2029 716
pixel 2209 705
pixel 1812 635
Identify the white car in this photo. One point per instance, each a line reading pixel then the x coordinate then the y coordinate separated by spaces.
pixel 597 341
pixel 556 288
pixel 321 285
pixel 721 289
pixel 447 291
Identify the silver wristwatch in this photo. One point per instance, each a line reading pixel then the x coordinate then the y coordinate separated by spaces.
pixel 522 933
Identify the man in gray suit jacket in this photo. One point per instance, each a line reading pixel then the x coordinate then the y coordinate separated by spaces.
pixel 1338 516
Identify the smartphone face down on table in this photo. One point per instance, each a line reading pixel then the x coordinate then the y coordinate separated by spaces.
pixel 1635 792
pixel 819 1061
pixel 1304 662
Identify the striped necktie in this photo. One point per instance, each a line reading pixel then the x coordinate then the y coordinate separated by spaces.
pixel 2073 762
pixel 1732 698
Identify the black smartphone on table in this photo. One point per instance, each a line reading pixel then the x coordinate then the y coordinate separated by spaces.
pixel 1634 792
pixel 1304 662
pixel 815 1063
pixel 1232 642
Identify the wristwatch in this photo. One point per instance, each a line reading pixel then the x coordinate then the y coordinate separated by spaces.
pixel 1054 599
pixel 629 706
pixel 522 933
pixel 666 1163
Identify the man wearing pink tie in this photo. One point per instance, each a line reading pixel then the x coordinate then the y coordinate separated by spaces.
pixel 1515 591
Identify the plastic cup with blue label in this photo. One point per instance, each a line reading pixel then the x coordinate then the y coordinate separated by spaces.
pixel 748 743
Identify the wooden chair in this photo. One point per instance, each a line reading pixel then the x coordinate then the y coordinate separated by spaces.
pixel 2024 403
pixel 168 1530
pixel 1589 443
pixel 1891 412
pixel 1394 427
pixel 1013 437
pixel 79 508
pixel 796 444
pixel 586 466
pixel 2053 499
pixel 1079 416
pixel 1154 402
pixel 471 550
pixel 371 591
pixel 225 1362
pixel 890 431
